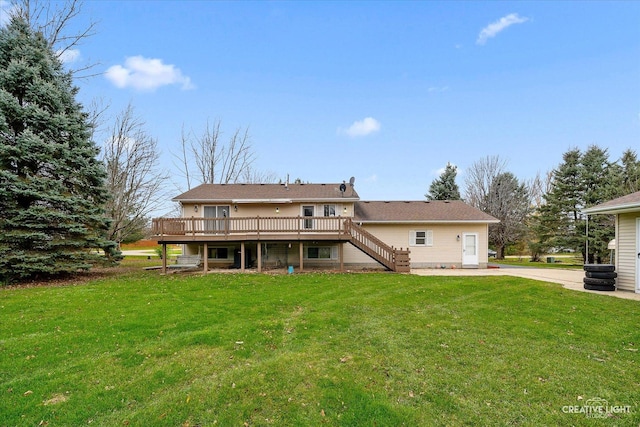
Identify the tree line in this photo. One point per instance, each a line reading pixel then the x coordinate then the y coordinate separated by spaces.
pixel 66 205
pixel 67 202
pixel 545 214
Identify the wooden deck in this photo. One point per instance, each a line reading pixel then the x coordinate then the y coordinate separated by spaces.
pixel 244 229
pixel 263 229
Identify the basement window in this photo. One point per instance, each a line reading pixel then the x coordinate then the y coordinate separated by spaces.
pixel 319 252
pixel 219 253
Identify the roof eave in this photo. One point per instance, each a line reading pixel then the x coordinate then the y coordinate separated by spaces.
pixel 612 210
pixel 429 221
pixel 267 201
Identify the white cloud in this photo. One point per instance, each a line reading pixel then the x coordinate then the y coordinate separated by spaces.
pixel 503 23
pixel 68 56
pixel 363 127
pixel 146 74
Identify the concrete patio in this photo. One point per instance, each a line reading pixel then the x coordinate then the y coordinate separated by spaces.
pixel 570 279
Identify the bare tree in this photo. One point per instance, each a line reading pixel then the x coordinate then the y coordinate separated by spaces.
pixel 134 180
pixel 255 176
pixel 499 193
pixel 53 19
pixel 478 179
pixel 510 202
pixel 206 159
pixel 538 187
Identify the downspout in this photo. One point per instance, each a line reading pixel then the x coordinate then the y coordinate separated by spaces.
pixel 586 260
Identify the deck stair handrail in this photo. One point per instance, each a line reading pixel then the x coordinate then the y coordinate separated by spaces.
pixel 344 228
pixel 390 257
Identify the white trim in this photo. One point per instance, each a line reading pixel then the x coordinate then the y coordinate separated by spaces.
pixel 637 254
pixel 472 260
pixel 418 222
pixel 428 238
pixel 243 201
pixel 625 208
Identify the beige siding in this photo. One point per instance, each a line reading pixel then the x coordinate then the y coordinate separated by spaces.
pixel 446 249
pixel 268 210
pixel 626 255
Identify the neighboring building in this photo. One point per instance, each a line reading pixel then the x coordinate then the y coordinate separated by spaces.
pixel 627 242
pixel 322 225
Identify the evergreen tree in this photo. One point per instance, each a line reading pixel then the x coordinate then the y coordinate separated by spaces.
pixel 445 187
pixel 52 192
pixel 630 173
pixel 596 184
pixel 582 180
pixel 558 216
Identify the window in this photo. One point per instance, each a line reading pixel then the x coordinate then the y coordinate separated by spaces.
pixel 329 210
pixel 216 212
pixel 320 252
pixel 307 211
pixel 218 253
pixel 421 238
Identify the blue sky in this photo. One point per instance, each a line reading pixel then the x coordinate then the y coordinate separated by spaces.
pixel 388 92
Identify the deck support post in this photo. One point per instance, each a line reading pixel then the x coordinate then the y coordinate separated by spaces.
pixel 242 256
pixel 341 255
pixel 259 255
pixel 205 259
pixel 164 258
pixel 301 256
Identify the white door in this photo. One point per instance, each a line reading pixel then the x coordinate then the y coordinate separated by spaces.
pixel 470 249
pixel 637 255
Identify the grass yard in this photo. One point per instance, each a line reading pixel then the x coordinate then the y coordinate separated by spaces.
pixel 139 349
pixel 561 261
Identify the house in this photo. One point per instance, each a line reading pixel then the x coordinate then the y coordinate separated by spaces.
pixel 627 241
pixel 322 225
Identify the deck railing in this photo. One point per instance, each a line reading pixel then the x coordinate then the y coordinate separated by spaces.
pixel 247 225
pixel 392 258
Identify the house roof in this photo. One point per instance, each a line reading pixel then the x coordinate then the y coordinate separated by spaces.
pixel 628 203
pixel 267 193
pixel 420 211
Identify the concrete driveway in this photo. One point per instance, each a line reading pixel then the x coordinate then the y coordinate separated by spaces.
pixel 570 279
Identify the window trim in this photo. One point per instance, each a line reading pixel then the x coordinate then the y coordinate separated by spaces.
pixel 428 238
pixel 212 249
pixel 333 253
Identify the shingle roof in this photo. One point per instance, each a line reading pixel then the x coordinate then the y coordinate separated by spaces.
pixel 420 211
pixel 628 203
pixel 266 193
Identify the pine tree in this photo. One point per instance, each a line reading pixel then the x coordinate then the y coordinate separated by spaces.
pixel 630 173
pixel 596 183
pixel 445 187
pixel 52 192
pixel 559 215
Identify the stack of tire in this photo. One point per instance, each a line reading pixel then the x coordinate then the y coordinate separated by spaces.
pixel 600 277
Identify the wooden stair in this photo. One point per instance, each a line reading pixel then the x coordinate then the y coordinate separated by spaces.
pixel 393 259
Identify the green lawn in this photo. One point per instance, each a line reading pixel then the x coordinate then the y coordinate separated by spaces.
pixel 561 261
pixel 140 349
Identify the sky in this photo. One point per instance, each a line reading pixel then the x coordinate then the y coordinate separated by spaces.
pixel 386 92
